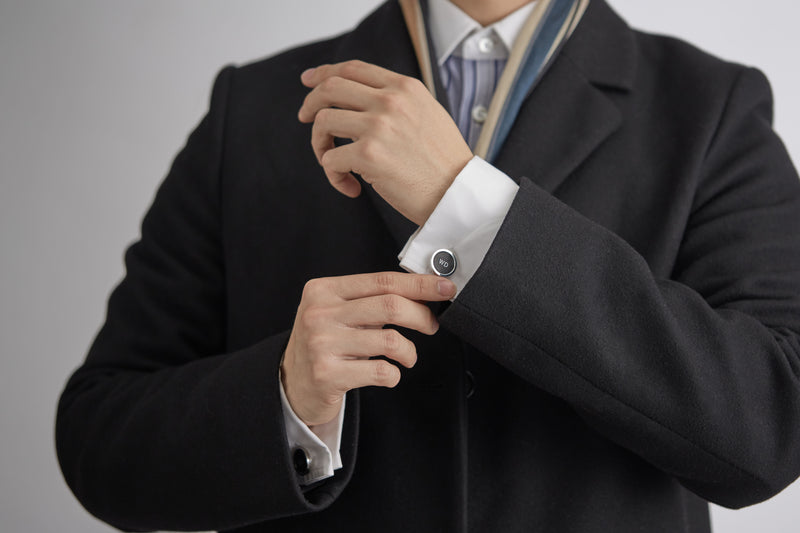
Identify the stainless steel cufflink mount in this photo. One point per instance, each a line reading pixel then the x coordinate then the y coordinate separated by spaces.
pixel 443 262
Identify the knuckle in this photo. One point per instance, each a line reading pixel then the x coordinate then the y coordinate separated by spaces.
pixel 325 85
pixel 323 71
pixel 320 372
pixel 420 285
pixel 311 288
pixel 391 307
pixel 391 341
pixel 311 318
pixel 347 69
pixel 369 150
pixel 385 282
pixel 413 355
pixel 304 320
pixel 391 101
pixel 316 288
pixel 317 345
pixel 323 117
pixel 325 159
pixel 409 84
pixel 379 123
pixel 387 374
pixel 351 68
pixel 406 352
pixel 409 356
pixel 330 85
pixel 318 142
pixel 308 101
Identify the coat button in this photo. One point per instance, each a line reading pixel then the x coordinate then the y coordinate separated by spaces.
pixel 486 44
pixel 469 381
pixel 479 114
pixel 301 461
pixel 443 262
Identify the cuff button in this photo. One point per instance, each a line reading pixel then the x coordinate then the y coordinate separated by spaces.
pixel 443 262
pixel 301 461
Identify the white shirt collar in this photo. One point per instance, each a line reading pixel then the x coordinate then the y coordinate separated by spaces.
pixel 449 26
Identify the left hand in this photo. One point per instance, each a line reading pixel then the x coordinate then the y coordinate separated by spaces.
pixel 404 142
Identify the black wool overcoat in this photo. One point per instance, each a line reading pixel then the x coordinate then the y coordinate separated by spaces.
pixel 631 338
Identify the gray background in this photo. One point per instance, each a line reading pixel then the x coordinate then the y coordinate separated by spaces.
pixel 96 96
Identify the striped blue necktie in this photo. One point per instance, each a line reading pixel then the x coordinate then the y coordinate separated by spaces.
pixel 470 75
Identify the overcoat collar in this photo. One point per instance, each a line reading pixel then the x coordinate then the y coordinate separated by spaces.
pixel 562 121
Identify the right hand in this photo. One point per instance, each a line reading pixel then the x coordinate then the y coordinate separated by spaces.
pixel 338 327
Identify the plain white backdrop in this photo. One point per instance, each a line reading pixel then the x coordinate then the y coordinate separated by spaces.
pixel 96 96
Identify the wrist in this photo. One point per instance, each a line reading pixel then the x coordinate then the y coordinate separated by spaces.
pixel 285 372
pixel 450 173
pixel 282 367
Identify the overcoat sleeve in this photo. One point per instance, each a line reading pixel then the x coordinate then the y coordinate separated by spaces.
pixel 699 373
pixel 160 429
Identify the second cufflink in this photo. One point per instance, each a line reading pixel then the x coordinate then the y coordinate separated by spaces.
pixel 443 262
pixel 301 461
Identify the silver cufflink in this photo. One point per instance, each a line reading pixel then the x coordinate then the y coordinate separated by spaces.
pixel 443 262
pixel 301 461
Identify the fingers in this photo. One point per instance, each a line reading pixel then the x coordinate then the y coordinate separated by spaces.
pixel 389 342
pixel 344 182
pixel 332 123
pixel 336 92
pixel 368 104
pixel 358 71
pixel 389 309
pixel 338 328
pixel 338 163
pixel 423 287
pixel 341 159
pixel 365 373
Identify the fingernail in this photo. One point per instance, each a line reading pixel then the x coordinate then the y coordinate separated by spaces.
pixel 307 73
pixel 446 287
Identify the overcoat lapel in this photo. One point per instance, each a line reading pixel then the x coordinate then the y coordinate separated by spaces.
pixel 563 121
pixel 570 114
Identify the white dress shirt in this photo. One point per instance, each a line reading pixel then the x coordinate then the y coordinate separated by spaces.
pixel 465 221
pixel 321 443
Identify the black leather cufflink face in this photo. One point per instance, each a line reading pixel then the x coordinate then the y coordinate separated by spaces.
pixel 301 461
pixel 443 262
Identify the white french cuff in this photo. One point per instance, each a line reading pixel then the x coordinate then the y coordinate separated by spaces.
pixel 465 222
pixel 320 444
